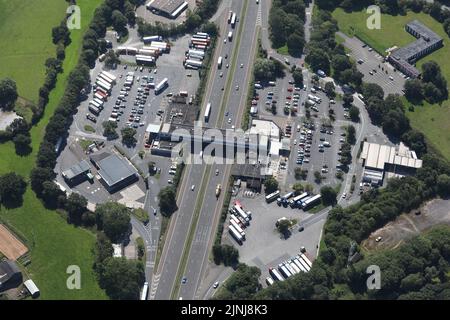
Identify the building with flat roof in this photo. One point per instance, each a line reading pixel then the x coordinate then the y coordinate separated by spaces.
pixel 169 8
pixel 427 41
pixel 115 172
pixel 378 159
pixel 77 173
pixel 10 275
pixel 265 127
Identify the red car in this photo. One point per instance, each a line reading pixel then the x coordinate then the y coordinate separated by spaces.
pixel 290 89
pixel 256 97
pixel 289 97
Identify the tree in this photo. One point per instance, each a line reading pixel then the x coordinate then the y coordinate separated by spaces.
pixel 351 134
pixel 109 130
pixel 8 94
pixel 340 63
pixel 18 126
pixel 122 278
pixel 242 284
pixel 297 74
pixel 119 22
pixel 370 90
pixel 348 100
pixel 329 90
pixel 318 60
pixel 295 43
pixel 111 60
pixel 167 200
pixel 38 176
pixel 230 255
pixel 300 174
pixel 50 194
pixel 395 122
pixel 318 177
pixel 76 205
pixel 103 250
pixel 328 195
pixel 61 33
pixel 298 188
pixel 443 184
pixel 353 112
pixel 270 185
pixel 128 138
pixel 114 219
pixel 416 141
pixel 413 90
pixel 22 144
pixel 12 188
pixel 283 226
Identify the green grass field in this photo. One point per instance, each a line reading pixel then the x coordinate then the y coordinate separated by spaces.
pixel 55 244
pixel 434 120
pixel 26 41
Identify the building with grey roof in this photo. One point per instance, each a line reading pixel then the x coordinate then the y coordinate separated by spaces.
pixel 10 275
pixel 168 8
pixel 77 173
pixel 427 41
pixel 115 172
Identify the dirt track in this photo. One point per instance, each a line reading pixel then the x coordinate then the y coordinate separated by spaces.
pixel 408 225
pixel 10 246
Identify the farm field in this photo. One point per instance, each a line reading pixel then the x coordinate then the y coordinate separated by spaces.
pixel 28 26
pixel 54 244
pixel 432 120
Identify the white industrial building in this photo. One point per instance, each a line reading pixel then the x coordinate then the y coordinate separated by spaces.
pixel 379 160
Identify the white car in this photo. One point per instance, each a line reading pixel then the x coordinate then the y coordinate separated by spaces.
pixel 229 120
pixel 221 74
pixel 216 284
pixel 224 40
pixel 344 195
pixel 193 187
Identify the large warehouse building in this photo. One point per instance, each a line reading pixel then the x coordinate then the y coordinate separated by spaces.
pixel 115 172
pixel 379 160
pixel 168 8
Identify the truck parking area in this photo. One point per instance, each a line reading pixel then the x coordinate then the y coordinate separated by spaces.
pixel 264 246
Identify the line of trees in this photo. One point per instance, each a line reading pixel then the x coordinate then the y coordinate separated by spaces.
pixel 286 23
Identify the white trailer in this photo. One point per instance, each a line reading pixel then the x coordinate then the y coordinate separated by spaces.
pixel 162 85
pixel 194 63
pixel 284 271
pixel 275 274
pixel 236 235
pixel 109 75
pixel 238 228
pixel 299 265
pixel 305 258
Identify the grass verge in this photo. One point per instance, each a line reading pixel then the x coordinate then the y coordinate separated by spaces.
pixel 54 243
